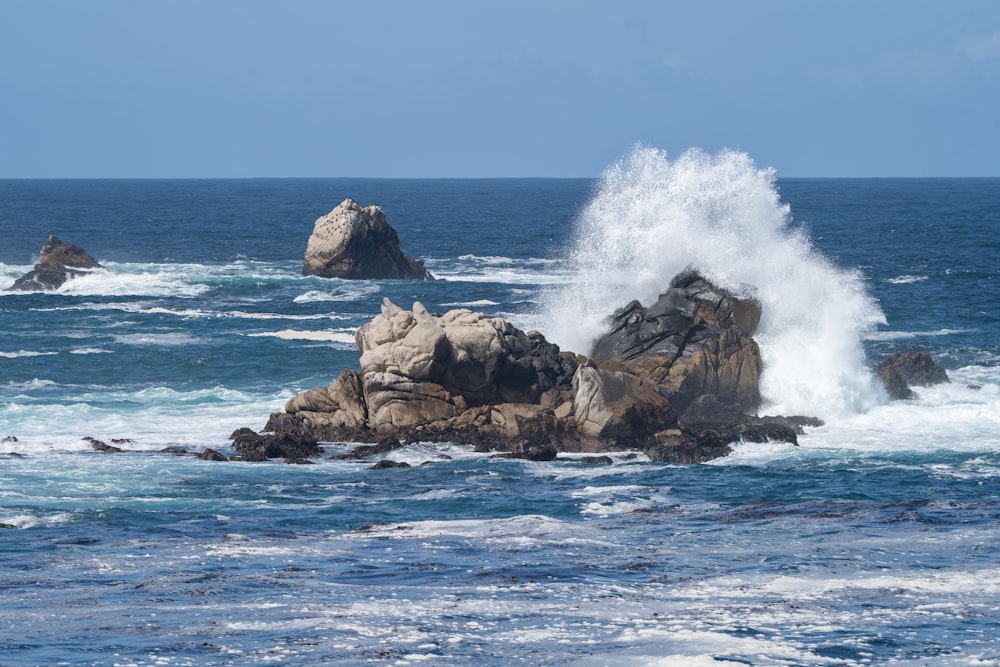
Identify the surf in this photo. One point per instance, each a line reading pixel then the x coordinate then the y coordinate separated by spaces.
pixel 651 217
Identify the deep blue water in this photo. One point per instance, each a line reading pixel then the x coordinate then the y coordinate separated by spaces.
pixel 873 542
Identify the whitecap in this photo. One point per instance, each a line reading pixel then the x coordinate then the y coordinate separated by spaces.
pixel 242 315
pixel 905 335
pixel 352 292
pixel 26 353
pixel 158 339
pixel 89 350
pixel 906 279
pixel 471 304
pixel 515 532
pixel 295 334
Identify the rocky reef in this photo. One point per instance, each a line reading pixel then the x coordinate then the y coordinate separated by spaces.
pixel 677 380
pixel 57 263
pixel 356 242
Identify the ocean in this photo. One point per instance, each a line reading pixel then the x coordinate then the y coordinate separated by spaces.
pixel 875 541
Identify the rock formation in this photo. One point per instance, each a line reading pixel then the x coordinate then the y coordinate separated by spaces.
pixel 696 340
pixel 356 242
pixel 57 263
pixel 677 380
pixel 898 372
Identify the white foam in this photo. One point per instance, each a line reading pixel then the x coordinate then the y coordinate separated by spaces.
pixel 513 532
pixel 152 418
pixel 136 280
pixel 295 334
pixel 25 353
pixel 344 291
pixel 651 218
pixel 905 335
pixel 906 280
pixel 505 270
pixel 471 304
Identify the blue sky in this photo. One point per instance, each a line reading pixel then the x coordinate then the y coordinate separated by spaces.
pixel 441 88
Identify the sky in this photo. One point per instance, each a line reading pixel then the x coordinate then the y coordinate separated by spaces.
pixel 511 88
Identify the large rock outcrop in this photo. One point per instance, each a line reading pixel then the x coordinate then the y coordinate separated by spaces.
pixel 356 242
pixel 57 263
pixel 470 377
pixel 696 340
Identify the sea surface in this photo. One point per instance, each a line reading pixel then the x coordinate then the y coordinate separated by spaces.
pixel 875 541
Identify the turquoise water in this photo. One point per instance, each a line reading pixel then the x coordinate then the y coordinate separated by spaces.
pixel 873 542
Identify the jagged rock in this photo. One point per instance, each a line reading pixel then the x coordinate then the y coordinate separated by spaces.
pixel 253 446
pixel 57 263
pixel 102 446
pixel 387 463
pixel 530 452
pixel 614 406
pixel 698 443
pixel 299 461
pixel 696 340
pixel 898 372
pixel 469 377
pixel 211 455
pixel 364 451
pixel 356 242
pixel 417 368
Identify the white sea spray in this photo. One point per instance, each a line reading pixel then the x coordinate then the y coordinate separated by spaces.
pixel 652 217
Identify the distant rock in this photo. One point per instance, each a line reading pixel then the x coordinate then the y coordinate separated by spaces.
pixel 898 372
pixel 57 263
pixel 356 242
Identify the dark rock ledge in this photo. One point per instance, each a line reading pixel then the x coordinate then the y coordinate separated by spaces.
pixel 57 263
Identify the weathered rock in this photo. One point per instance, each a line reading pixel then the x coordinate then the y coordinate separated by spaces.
pixel 356 242
pixel 698 443
pixel 102 446
pixel 898 372
pixel 364 451
pixel 253 446
pixel 696 340
pixel 57 263
pixel 417 368
pixel 617 407
pixel 894 383
pixel 530 452
pixel 211 455
pixel 384 464
pixel 469 377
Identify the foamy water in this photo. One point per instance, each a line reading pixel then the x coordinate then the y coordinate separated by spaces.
pixel 653 217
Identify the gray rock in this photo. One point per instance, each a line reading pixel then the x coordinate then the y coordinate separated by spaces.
pixel 356 242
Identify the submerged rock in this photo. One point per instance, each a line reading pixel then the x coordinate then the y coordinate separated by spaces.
pixel 57 263
pixel 356 242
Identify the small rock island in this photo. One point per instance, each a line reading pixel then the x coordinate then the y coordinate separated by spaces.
pixel 356 242
pixel 57 263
